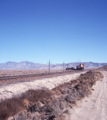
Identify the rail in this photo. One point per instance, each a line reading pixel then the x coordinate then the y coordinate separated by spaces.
pixel 36 75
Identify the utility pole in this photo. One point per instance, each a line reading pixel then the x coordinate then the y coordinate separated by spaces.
pixel 63 66
pixel 49 66
pixel 67 65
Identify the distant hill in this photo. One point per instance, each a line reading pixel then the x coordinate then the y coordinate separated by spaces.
pixel 103 68
pixel 26 65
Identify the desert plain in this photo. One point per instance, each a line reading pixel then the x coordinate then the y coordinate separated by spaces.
pixel 92 107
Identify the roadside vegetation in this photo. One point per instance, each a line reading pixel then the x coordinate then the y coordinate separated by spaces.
pixel 49 105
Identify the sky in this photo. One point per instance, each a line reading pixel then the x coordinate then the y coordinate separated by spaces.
pixel 55 30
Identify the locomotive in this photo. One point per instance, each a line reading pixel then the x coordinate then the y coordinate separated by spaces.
pixel 79 67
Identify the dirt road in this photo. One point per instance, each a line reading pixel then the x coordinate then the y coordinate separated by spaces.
pixel 93 107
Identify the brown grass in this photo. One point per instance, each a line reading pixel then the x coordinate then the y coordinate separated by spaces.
pixel 36 95
pixel 51 104
pixel 12 106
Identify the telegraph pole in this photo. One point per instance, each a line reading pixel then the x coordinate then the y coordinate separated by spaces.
pixel 63 66
pixel 67 65
pixel 49 66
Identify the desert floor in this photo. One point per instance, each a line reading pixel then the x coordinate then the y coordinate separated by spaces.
pixel 17 88
pixel 93 107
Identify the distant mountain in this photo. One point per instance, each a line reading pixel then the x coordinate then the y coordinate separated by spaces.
pixel 26 65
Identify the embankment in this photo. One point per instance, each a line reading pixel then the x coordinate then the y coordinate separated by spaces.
pixel 48 104
pixel 14 89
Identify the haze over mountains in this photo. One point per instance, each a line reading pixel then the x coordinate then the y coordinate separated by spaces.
pixel 26 65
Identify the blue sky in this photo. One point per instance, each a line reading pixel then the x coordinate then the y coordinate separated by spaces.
pixel 59 30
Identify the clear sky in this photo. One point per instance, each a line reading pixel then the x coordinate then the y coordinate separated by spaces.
pixel 59 30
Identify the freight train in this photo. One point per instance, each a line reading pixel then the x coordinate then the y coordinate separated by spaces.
pixel 79 67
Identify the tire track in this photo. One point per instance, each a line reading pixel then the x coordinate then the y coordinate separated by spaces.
pixel 93 107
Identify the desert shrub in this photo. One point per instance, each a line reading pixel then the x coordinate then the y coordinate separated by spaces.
pixel 36 95
pixel 10 107
pixel 50 105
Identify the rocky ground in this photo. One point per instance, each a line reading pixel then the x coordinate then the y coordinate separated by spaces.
pixel 53 104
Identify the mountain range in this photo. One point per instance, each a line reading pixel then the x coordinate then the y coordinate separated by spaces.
pixel 26 65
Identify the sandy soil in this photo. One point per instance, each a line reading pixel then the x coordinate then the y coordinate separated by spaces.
pixel 93 107
pixel 15 89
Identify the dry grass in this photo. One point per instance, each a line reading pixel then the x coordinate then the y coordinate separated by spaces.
pixel 36 95
pixel 12 106
pixel 51 104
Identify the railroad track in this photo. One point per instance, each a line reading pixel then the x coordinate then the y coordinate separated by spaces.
pixel 36 75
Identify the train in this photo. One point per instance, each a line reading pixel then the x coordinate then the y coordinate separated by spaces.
pixel 79 67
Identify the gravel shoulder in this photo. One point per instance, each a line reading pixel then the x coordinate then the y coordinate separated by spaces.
pixel 93 107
